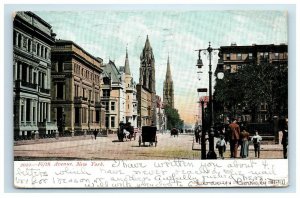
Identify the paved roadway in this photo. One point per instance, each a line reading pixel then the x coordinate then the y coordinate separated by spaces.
pixel 108 148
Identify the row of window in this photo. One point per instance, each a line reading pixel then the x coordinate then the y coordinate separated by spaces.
pixel 264 55
pixel 85 93
pixel 106 105
pixel 26 73
pixel 26 43
pixel 27 111
pixel 84 118
pixel 86 73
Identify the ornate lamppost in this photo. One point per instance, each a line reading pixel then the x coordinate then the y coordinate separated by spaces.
pixel 211 154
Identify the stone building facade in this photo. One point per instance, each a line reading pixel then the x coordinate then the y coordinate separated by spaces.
pixel 130 94
pixel 76 79
pixel 146 94
pixel 113 96
pixel 32 40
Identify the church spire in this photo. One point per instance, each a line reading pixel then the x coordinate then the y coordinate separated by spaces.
pixel 147 44
pixel 168 74
pixel 127 69
pixel 168 93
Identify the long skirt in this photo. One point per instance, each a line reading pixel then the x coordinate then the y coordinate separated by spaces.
pixel 244 149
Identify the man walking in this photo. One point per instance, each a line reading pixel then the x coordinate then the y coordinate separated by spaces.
pixel 234 138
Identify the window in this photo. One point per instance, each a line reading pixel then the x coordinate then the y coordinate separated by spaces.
pixel 60 90
pixel 28 109
pixel 266 55
pixel 250 56
pixel 22 113
pixel 14 38
pixel 90 95
pixel 106 121
pixel 106 81
pixel 228 56
pixel 42 51
pixel 239 56
pixel 106 93
pixel 76 115
pixel 112 107
pixel 97 115
pixel 276 55
pixel 46 53
pixel 29 45
pixel 83 92
pixel 19 40
pixel 112 122
pixel 38 49
pixel 228 67
pixel 106 105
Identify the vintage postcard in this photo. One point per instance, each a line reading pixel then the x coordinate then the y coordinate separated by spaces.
pixel 150 98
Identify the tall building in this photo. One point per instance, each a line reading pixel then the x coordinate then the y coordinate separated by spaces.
pixel 113 96
pixel 32 41
pixel 168 95
pixel 146 93
pixel 76 78
pixel 234 57
pixel 130 94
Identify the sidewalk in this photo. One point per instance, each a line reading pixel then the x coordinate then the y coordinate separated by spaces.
pixel 263 147
pixel 60 139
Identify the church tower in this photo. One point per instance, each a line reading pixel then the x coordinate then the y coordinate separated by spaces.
pixel 146 94
pixel 168 95
pixel 147 67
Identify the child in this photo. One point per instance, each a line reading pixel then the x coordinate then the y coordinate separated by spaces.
pixel 221 146
pixel 256 142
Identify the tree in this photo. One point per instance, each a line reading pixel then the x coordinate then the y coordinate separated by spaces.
pixel 173 118
pixel 252 85
pixel 228 94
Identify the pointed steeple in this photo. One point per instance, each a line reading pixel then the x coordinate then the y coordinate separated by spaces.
pixel 127 69
pixel 168 94
pixel 147 44
pixel 168 74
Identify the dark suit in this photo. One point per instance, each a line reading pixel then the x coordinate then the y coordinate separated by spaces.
pixel 235 136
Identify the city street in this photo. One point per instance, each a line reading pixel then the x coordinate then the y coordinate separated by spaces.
pixel 108 148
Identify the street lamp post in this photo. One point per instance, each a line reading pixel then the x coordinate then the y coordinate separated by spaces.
pixel 211 154
pixel 203 133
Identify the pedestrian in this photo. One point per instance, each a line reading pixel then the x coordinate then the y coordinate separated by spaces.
pixel 284 142
pixel 234 138
pixel 197 134
pixel 244 144
pixel 256 142
pixel 221 146
pixel 95 133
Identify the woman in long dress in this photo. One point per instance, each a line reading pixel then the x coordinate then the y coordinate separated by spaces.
pixel 244 144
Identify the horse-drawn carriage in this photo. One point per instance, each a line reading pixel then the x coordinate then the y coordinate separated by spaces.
pixel 148 135
pixel 125 132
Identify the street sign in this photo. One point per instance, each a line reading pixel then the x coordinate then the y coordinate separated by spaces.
pixel 202 90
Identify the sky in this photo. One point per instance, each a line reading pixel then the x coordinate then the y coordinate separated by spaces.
pixel 107 33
